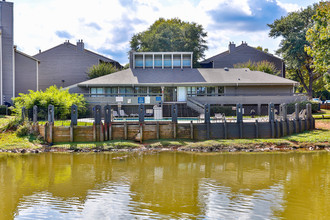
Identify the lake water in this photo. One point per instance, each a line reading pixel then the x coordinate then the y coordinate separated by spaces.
pixel 165 185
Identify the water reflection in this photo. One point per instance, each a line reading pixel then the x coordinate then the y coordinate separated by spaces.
pixel 165 185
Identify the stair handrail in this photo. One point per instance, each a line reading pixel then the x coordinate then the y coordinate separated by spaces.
pixel 196 103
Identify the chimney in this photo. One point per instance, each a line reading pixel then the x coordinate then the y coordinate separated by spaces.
pixel 80 45
pixel 232 47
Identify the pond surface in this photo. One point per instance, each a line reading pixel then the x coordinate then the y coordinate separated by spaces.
pixel 165 185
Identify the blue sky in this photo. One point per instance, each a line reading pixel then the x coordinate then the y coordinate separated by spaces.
pixel 106 26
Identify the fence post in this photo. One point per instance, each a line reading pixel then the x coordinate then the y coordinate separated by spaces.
pixel 107 121
pixel 207 121
pixel 174 111
pixel 225 128
pixel 309 115
pixel 157 127
pixel 191 130
pixel 239 115
pixel 257 128
pixel 271 112
pixel 74 115
pixel 97 114
pixel 141 113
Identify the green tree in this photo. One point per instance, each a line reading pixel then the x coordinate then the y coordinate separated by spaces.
pixel 261 49
pixel 263 66
pixel 172 35
pixel 293 28
pixel 60 98
pixel 101 70
pixel 318 37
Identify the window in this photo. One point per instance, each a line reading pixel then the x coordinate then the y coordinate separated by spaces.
pixel 138 61
pixel 167 61
pixel 201 91
pixel 155 90
pixel 210 91
pixel 177 60
pixel 191 91
pixel 126 90
pixel 95 91
pixel 221 90
pixel 149 62
pixel 158 61
pixel 111 90
pixel 186 60
pixel 142 91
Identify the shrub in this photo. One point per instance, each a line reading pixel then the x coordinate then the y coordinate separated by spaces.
pixel 60 98
pixel 302 105
pixel 101 70
pixel 11 125
pixel 263 66
pixel 223 109
pixel 23 130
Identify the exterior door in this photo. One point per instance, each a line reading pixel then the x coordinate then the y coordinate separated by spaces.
pixel 182 94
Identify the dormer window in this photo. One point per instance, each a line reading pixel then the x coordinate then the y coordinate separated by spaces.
pixel 161 59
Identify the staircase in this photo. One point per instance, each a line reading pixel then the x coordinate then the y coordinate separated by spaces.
pixel 193 104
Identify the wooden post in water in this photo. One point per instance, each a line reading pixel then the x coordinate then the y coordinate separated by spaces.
pixel 157 129
pixel 110 131
pixel 225 130
pixel 257 128
pixel 191 130
pixel 141 132
pixel 94 132
pixel 207 120
pixel 71 132
pixel 125 130
pixel 101 132
pixel 174 110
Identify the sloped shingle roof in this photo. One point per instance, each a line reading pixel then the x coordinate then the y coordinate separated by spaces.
pixel 168 77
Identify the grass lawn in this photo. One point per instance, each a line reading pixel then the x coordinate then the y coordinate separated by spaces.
pixel 9 140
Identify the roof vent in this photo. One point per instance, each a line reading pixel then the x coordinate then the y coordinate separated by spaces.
pixel 226 69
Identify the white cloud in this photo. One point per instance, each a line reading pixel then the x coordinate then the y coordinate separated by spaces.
pixel 36 23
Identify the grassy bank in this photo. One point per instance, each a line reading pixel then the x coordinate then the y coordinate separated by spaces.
pixel 319 137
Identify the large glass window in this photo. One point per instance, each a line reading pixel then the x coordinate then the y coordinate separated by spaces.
pixel 186 60
pixel 158 61
pixel 201 91
pixel 177 60
pixel 141 91
pixel 149 61
pixel 126 91
pixel 167 61
pixel 95 91
pixel 191 91
pixel 138 61
pixel 221 90
pixel 155 90
pixel 170 94
pixel 111 90
pixel 211 91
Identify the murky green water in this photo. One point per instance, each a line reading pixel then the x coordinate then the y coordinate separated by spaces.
pixel 165 185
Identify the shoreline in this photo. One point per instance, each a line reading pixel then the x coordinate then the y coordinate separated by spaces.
pixel 268 147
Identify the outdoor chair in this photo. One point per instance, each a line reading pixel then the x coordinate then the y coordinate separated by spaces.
pixel 115 114
pixel 122 113
pixel 149 113
pixel 219 116
pixel 201 117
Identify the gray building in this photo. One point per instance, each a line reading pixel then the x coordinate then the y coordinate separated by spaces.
pixel 168 77
pixel 67 64
pixel 18 71
pixel 242 54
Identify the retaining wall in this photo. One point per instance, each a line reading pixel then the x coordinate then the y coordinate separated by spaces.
pixel 169 130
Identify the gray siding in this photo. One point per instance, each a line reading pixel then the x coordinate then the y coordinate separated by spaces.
pixel 63 63
pixel 26 74
pixel 259 90
pixel 7 49
pixel 244 54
